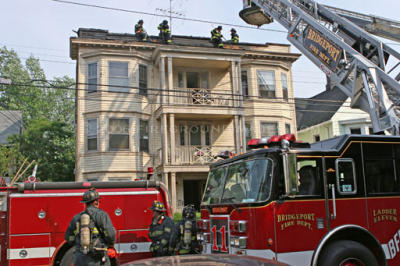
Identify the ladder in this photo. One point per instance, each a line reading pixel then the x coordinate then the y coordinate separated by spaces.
pixel 353 59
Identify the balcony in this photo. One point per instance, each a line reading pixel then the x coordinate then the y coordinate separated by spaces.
pixel 195 97
pixel 194 155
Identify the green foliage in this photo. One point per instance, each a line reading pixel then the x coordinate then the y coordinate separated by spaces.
pixel 48 109
pixel 51 145
pixel 10 159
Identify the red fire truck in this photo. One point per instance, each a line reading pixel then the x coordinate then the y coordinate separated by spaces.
pixel 334 202
pixel 35 216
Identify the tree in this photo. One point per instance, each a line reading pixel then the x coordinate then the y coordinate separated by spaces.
pixel 51 145
pixel 48 108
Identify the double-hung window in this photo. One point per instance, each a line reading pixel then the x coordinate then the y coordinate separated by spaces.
pixel 118 134
pixel 142 80
pixel 266 83
pixel 144 136
pixel 269 129
pixel 92 134
pixel 118 78
pixel 92 77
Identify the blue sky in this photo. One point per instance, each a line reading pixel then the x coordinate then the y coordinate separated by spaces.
pixel 43 28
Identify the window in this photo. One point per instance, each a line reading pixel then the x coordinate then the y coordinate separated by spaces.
pixel 346 177
pixel 266 83
pixel 180 80
pixel 207 135
pixel 195 135
pixel 142 80
pixel 118 79
pixel 144 136
pixel 308 177
pixel 182 131
pixel 284 86
pixel 92 135
pixel 269 129
pixel 247 131
pixel 371 131
pixel 118 134
pixel 382 167
pixel 355 131
pixel 317 138
pixel 287 129
pixel 192 80
pixel 92 77
pixel 245 84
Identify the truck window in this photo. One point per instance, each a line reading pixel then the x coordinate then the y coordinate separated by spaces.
pixel 346 176
pixel 381 160
pixel 308 177
pixel 215 186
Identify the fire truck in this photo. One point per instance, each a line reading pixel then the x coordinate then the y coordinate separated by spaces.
pixel 34 218
pixel 334 202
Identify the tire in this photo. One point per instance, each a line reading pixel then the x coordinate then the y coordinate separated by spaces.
pixel 68 258
pixel 347 252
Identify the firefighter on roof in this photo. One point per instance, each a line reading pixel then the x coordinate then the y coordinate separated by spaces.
pixel 141 34
pixel 234 36
pixel 92 233
pixel 165 33
pixel 162 232
pixel 216 37
pixel 187 232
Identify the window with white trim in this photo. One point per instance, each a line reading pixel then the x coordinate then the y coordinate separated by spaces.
pixel 118 78
pixel 92 77
pixel 266 83
pixel 142 80
pixel 285 94
pixel 144 136
pixel 118 133
pixel 269 129
pixel 92 134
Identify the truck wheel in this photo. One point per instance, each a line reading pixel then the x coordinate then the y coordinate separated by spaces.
pixel 347 253
pixel 68 258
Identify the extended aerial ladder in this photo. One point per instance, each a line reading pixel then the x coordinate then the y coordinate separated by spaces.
pixel 337 41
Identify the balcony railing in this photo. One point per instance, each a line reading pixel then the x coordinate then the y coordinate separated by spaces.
pixel 198 155
pixel 194 155
pixel 198 96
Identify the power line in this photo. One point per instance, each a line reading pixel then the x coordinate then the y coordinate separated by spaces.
pixel 174 17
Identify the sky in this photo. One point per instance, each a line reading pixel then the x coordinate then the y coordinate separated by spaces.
pixel 42 28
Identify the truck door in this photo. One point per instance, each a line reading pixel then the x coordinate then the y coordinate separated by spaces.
pixel 347 202
pixel 382 175
pixel 300 222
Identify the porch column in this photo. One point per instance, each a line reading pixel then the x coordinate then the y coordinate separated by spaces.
pixel 165 179
pixel 170 81
pixel 243 130
pixel 162 80
pixel 164 138
pixel 237 134
pixel 234 83
pixel 240 89
pixel 172 136
pixel 173 191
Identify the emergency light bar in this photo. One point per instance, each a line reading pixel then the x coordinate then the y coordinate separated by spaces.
pixel 275 141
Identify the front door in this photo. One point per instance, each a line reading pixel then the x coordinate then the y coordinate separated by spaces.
pixel 300 222
pixel 192 192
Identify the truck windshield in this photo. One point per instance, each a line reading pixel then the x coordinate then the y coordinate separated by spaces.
pixel 241 182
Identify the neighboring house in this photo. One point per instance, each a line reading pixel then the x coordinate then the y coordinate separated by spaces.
pixel 327 115
pixel 174 107
pixel 11 123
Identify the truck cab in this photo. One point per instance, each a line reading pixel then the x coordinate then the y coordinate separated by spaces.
pixel 297 202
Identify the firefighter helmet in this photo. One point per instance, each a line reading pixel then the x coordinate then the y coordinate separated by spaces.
pixel 140 21
pixel 233 30
pixel 189 212
pixel 158 206
pixel 165 21
pixel 90 195
pixel 219 27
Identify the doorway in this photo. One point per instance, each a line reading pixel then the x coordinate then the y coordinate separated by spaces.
pixel 193 192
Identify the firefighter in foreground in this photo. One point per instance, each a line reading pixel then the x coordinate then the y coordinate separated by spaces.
pixel 216 37
pixel 165 33
pixel 92 233
pixel 162 232
pixel 187 232
pixel 234 36
pixel 141 34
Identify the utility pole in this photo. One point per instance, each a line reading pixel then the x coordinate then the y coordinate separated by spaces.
pixel 170 12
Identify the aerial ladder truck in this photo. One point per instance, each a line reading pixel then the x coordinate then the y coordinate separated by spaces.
pixel 342 45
